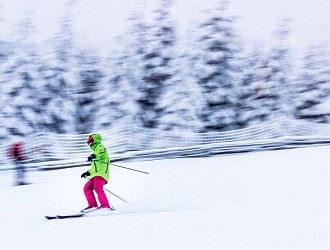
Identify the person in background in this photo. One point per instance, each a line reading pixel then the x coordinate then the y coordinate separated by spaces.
pixel 98 174
pixel 18 154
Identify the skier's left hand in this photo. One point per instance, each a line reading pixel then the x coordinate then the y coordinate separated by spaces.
pixel 84 175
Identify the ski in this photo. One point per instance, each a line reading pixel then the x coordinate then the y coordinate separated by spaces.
pixel 64 216
pixel 80 214
pixel 51 217
pixel 70 216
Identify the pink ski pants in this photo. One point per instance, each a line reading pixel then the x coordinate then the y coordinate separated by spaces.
pixel 96 184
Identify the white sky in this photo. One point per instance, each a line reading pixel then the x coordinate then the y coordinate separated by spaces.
pixel 100 21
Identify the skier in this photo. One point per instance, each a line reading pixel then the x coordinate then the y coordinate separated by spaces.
pixel 18 155
pixel 98 174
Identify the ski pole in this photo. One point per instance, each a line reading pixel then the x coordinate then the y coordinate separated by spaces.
pixel 129 168
pixel 116 196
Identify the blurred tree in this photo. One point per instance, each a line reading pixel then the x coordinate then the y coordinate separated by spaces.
pixel 122 80
pixel 180 102
pixel 88 91
pixel 157 63
pixel 117 93
pixel 2 40
pixel 277 89
pixel 312 100
pixel 215 68
pixel 266 87
pixel 3 58
pixel 150 67
pixel 19 71
pixel 252 108
pixel 60 88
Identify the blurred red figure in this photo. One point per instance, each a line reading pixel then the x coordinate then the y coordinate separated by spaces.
pixel 18 155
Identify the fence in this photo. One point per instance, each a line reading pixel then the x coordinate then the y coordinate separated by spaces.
pixel 129 142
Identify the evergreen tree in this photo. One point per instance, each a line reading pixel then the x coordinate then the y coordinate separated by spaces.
pixel 88 92
pixel 313 86
pixel 20 80
pixel 60 89
pixel 4 57
pixel 180 103
pixel 157 65
pixel 252 106
pixel 215 70
pixel 120 86
pixel 266 90
pixel 278 87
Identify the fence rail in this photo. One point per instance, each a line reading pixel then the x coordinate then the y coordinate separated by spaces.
pixel 129 142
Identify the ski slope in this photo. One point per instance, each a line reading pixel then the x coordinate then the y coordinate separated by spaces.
pixel 274 200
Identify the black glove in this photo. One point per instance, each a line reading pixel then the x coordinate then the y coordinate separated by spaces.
pixel 91 157
pixel 84 175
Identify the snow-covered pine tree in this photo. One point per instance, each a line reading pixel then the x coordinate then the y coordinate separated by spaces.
pixel 5 56
pixel 88 91
pixel 278 86
pixel 120 86
pixel 312 100
pixel 19 74
pixel 117 95
pixel 251 93
pixel 60 89
pixel 157 63
pixel 215 69
pixel 180 104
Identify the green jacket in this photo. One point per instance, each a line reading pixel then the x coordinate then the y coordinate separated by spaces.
pixel 100 165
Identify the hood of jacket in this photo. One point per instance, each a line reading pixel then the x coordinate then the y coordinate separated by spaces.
pixel 97 140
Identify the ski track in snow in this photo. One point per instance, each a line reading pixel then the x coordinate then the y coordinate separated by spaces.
pixel 274 200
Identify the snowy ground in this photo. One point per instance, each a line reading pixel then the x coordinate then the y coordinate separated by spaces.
pixel 260 201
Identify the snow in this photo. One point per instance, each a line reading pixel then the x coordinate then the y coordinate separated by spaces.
pixel 266 200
